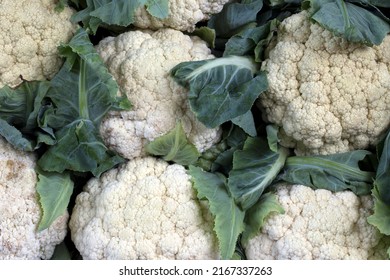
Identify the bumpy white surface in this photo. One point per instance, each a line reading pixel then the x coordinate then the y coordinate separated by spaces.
pixel 317 224
pixel 30 32
pixel 21 212
pixel 183 14
pixel 145 209
pixel 328 95
pixel 140 61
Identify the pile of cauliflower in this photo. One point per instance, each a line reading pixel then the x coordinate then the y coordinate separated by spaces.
pixel 327 96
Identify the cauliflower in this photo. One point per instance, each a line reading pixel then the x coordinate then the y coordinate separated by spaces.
pixel 140 61
pixel 145 209
pixel 328 95
pixel 317 224
pixel 183 14
pixel 30 32
pixel 21 212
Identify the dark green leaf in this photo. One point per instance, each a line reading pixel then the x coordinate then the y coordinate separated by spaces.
pixel 229 219
pixel 174 146
pixel 256 215
pixel 234 16
pixel 254 168
pixel 79 148
pixel 335 172
pixel 352 22
pixel 221 89
pixel 54 192
pixel 247 123
pixel 118 12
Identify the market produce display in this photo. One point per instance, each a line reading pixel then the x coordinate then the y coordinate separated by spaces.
pixel 195 129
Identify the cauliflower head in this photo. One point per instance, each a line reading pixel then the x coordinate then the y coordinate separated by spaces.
pixel 328 95
pixel 145 209
pixel 141 61
pixel 30 32
pixel 20 210
pixel 183 14
pixel 317 224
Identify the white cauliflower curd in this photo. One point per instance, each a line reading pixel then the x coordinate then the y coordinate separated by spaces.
pixel 328 95
pixel 183 14
pixel 317 224
pixel 145 209
pixel 141 61
pixel 30 32
pixel 21 212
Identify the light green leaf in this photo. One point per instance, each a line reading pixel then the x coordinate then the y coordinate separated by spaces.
pixel 206 34
pixel 256 215
pixel 54 192
pixel 228 217
pixel 335 172
pixel 381 217
pixel 174 146
pixel 158 8
pixel 254 168
pixel 221 89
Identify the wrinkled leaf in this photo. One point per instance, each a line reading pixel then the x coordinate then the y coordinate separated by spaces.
pixel 234 16
pixel 228 218
pixel 221 89
pixel 79 148
pixel 256 215
pixel 254 168
pixel 174 146
pixel 118 12
pixel 54 192
pixel 352 22
pixel 336 172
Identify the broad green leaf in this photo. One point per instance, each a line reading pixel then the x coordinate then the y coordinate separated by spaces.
pixel 80 149
pixel 221 89
pixel 252 41
pixel 254 168
pixel 54 192
pixel 174 146
pixel 256 215
pixel 228 217
pixel 336 172
pixel 247 123
pixel 234 16
pixel 15 137
pixel 381 217
pixel 118 12
pixel 19 112
pixel 158 8
pixel 352 22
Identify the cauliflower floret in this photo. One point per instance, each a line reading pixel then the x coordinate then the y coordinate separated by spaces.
pixel 328 95
pixel 30 32
pixel 140 61
pixel 183 14
pixel 317 224
pixel 145 209
pixel 21 212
